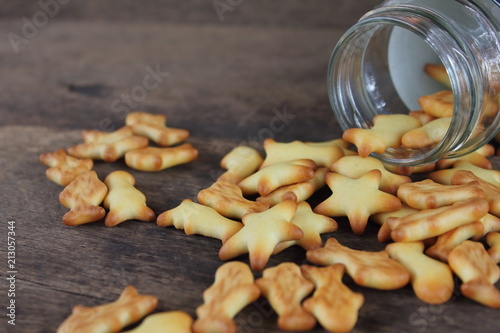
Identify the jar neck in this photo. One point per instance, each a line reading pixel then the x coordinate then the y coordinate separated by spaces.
pixel 467 42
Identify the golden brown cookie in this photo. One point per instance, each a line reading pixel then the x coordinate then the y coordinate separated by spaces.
pixel 285 288
pixel 161 135
pixel 384 233
pixel 124 201
pixel 63 168
pixel 439 105
pixel 438 73
pixel 493 240
pixel 240 163
pixel 367 269
pixel 109 152
pixel 232 290
pixel 444 176
pixel 449 240
pixel 112 317
pixel 94 136
pixel 491 191
pixel 427 194
pixel 157 159
pixel 195 218
pixel 434 222
pixel 357 199
pixel 322 155
pixel 478 272
pixel 386 132
pixel 227 199
pixel 83 196
pixel 333 304
pixel 261 233
pixel 357 166
pixel 478 158
pixel 276 175
pixel 297 192
pixel 312 225
pixel 171 322
pixel 427 135
pixel 432 280
pixel 141 117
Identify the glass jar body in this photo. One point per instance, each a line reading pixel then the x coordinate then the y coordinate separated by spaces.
pixel 377 68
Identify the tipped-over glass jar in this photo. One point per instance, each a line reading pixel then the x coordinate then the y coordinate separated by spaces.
pixel 377 68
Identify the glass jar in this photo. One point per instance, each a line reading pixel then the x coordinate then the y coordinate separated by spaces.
pixel 377 68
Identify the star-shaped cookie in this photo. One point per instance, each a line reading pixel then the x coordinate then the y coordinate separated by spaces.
pixel 312 225
pixel 357 199
pixel 261 233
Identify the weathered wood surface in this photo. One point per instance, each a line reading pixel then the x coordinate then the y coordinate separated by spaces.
pixel 229 83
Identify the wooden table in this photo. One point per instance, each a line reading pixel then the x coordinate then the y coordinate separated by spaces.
pixel 260 72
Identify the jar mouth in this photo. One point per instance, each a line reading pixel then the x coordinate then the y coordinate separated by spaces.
pixel 360 59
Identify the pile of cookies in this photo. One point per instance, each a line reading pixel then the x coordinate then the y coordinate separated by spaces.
pixel 444 226
pixel 84 192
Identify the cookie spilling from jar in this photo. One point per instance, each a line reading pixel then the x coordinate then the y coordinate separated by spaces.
pixel 419 129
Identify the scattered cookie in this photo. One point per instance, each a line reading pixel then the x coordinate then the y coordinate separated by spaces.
pixel 491 191
pixel 386 132
pixel 240 163
pixel 195 218
pixel 449 240
pixel 428 135
pixel 112 317
pixel 171 322
pixel 434 222
pixel 297 192
pixel 357 199
pixel 312 225
pixel 162 136
pixel 439 105
pixel 478 273
pixel 333 304
pixel 63 168
pixel 285 288
pixel 427 194
pixel 93 136
pixel 357 166
pixel 410 170
pixel 493 240
pixel 478 158
pixel 124 201
pixel 227 199
pixel 438 73
pixel 109 152
pixel 140 117
pixel 261 233
pixel 444 176
pixel 490 223
pixel 322 155
pixel 432 280
pixel 83 196
pixel 276 175
pixel 384 233
pixel 367 269
pixel 232 290
pixel 156 159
